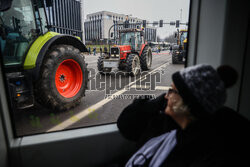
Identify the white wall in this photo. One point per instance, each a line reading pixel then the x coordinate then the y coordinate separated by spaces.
pixel 107 23
pixel 212 23
pixel 218 36
pixel 206 32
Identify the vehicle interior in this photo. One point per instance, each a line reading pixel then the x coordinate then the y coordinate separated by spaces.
pixel 219 33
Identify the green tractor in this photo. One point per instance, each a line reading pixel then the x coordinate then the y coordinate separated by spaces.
pixel 42 53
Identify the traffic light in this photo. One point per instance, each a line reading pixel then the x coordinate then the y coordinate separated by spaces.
pixel 161 23
pixel 144 23
pixel 177 23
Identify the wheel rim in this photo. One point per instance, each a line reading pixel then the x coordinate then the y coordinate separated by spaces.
pixel 68 78
pixel 136 65
pixel 149 59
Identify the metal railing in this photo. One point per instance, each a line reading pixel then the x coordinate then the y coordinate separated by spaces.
pixel 64 16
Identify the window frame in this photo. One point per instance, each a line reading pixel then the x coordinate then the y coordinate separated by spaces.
pixel 21 146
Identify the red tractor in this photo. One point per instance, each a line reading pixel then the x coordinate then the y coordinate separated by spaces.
pixel 131 55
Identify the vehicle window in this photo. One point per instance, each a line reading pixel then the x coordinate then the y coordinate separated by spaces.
pixel 139 39
pixel 41 17
pixel 18 24
pixel 183 36
pixel 126 38
pixel 49 84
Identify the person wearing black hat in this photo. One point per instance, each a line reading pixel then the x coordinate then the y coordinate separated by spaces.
pixel 188 126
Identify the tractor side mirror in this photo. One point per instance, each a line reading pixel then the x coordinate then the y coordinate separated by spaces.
pixel 112 35
pixel 5 5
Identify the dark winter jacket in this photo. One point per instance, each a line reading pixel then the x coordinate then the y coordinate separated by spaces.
pixel 218 140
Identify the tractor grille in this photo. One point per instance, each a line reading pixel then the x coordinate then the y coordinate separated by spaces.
pixel 115 51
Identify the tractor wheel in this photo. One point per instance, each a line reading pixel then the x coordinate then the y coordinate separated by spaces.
pixel 122 66
pixel 175 58
pixel 63 78
pixel 133 64
pixel 100 67
pixel 146 58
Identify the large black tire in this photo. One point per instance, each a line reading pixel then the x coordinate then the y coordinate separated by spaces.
pixel 146 58
pixel 122 65
pixel 175 59
pixel 121 68
pixel 46 91
pixel 133 64
pixel 100 67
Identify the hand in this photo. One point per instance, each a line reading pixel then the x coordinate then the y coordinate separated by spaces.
pixel 160 102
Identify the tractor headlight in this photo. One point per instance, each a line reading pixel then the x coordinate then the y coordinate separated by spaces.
pixel 115 52
pixel 114 56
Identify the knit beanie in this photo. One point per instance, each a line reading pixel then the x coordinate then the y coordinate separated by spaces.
pixel 203 88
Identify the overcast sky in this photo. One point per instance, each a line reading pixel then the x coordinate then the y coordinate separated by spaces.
pixel 151 10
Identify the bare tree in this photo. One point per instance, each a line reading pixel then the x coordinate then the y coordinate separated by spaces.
pixel 171 38
pixel 159 39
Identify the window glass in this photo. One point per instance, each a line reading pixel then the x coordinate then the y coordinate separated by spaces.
pixel 183 36
pixel 43 21
pixel 54 92
pixel 109 17
pixel 126 38
pixel 19 25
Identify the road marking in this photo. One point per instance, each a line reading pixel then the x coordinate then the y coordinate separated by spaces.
pixel 75 118
pixel 162 87
pixel 140 86
pixel 148 87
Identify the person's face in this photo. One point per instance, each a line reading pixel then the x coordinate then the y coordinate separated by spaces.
pixel 173 97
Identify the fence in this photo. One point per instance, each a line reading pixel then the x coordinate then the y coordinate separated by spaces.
pixel 64 16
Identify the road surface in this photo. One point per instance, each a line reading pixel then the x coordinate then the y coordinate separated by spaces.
pixel 105 98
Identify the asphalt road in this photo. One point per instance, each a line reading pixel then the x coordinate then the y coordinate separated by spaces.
pixel 106 97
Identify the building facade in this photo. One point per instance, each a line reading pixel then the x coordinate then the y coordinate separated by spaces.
pixel 97 26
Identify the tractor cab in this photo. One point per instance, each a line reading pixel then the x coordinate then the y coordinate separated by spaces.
pixel 20 28
pixel 132 37
pixel 183 37
pixel 179 53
